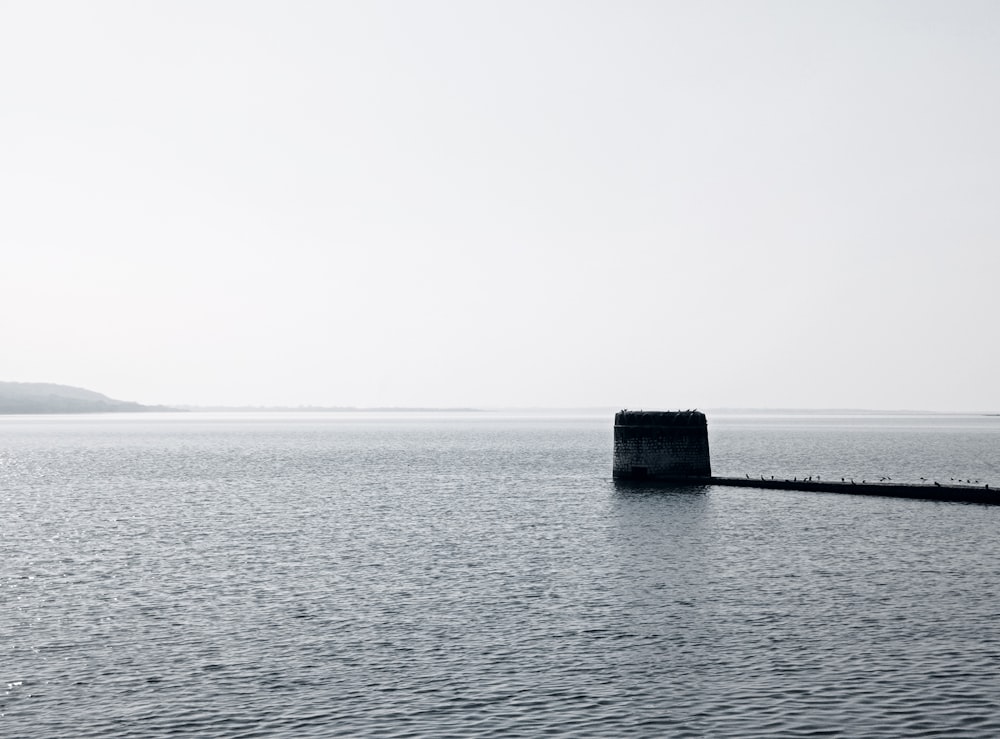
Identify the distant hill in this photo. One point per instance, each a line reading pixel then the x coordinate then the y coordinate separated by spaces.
pixel 46 397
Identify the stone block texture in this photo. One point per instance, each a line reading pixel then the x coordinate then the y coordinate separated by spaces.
pixel 661 444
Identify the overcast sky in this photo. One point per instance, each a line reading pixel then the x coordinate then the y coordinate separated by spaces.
pixel 634 204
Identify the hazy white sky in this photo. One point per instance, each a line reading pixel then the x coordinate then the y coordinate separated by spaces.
pixel 641 204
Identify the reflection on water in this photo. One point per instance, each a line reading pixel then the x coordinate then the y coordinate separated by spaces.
pixel 315 576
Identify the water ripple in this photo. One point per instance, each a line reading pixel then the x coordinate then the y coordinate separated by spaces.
pixel 469 579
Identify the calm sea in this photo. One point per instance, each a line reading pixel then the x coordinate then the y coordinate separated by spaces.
pixel 480 575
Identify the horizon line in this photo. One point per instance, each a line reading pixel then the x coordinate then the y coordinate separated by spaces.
pixel 305 408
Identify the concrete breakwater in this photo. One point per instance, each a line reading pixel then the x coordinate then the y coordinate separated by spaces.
pixel 962 494
pixel 671 448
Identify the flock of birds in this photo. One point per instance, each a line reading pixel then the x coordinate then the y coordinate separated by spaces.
pixel 850 480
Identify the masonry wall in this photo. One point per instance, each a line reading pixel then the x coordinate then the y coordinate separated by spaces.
pixel 652 444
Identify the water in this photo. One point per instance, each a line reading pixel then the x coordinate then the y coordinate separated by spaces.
pixel 297 575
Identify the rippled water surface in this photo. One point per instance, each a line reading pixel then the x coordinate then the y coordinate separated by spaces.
pixel 481 575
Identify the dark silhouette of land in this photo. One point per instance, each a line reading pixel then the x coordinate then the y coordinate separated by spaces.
pixel 46 397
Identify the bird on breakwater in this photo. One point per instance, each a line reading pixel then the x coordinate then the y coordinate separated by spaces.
pixel 937 484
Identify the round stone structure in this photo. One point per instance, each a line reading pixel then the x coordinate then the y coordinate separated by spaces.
pixel 661 445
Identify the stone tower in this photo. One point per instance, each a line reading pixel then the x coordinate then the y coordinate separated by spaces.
pixel 661 445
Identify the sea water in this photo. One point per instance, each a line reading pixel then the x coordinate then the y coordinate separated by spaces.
pixel 480 575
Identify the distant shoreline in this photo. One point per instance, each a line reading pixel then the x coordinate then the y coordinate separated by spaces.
pixel 46 398
pixel 39 398
pixel 319 409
